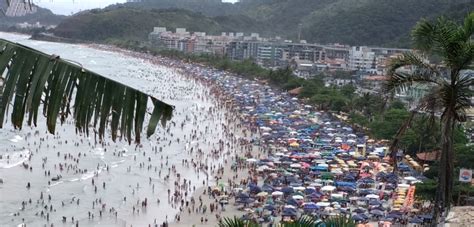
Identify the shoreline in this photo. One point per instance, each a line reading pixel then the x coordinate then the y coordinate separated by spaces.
pixel 194 218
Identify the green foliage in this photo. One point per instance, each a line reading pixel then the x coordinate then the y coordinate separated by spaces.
pixel 355 22
pixel 236 222
pixel 387 127
pixel 397 104
pixel 464 156
pixel 303 221
pixel 34 79
pixel 348 90
pixel 426 190
pixel 450 95
pixel 339 221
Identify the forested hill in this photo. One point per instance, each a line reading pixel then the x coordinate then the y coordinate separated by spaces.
pixel 135 24
pixel 354 22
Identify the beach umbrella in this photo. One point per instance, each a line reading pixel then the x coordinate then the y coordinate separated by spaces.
pixel 372 196
pixel 251 160
pixel 426 216
pixel 292 201
pixel 262 194
pixel 277 193
pixel 267 188
pixel 323 204
pixel 295 165
pixel 360 210
pixel 310 206
pixel 299 188
pixel 309 190
pixel 416 220
pixel 254 188
pixel 287 190
pixel 328 188
pixel 410 178
pixel 269 207
pixel 394 216
pixel 374 202
pixel 262 168
pixel 377 212
pixel 298 197
pixel 403 185
pixel 358 217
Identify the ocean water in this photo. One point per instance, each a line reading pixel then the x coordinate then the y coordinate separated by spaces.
pixel 123 177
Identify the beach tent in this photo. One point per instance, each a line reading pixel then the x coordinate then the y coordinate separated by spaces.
pixel 328 188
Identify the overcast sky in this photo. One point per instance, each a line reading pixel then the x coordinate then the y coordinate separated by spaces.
pixel 67 7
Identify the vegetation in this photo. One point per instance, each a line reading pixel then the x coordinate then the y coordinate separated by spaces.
pixel 33 80
pixel 354 22
pixel 303 221
pixel 135 24
pixel 450 87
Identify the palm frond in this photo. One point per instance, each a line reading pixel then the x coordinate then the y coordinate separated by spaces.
pixel 401 81
pixel 423 73
pixel 468 26
pixel 303 221
pixel 31 75
pixel 340 221
pixel 422 35
pixel 236 222
pixel 447 40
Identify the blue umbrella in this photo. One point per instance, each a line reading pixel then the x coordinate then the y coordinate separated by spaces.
pixel 374 202
pixel 377 212
pixel 426 216
pixel 359 210
pixel 269 207
pixel 394 216
pixel 310 206
pixel 287 190
pixel 358 218
pixel 289 210
pixel 416 220
pixel 292 202
pixel 364 216
pixel 309 190
pixel 267 188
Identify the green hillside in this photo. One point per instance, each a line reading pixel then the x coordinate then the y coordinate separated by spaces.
pixel 128 23
pixel 355 22
pixel 376 22
pixel 136 24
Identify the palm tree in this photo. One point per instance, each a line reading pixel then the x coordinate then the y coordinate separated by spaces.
pixel 448 81
pixel 32 78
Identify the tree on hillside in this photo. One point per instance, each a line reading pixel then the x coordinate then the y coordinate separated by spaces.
pixel 450 91
pixel 34 80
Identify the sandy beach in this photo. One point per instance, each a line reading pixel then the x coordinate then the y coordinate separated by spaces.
pixel 235 147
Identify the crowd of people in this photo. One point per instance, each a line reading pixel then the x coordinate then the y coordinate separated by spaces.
pixel 257 152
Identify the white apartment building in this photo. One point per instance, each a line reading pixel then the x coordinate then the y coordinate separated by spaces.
pixel 362 58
